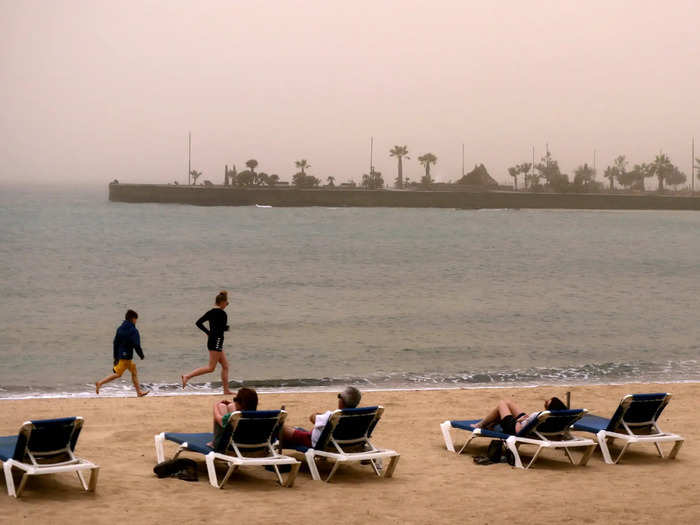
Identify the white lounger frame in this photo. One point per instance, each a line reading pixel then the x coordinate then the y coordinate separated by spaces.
pixel 73 464
pixel 514 442
pixel 233 462
pixel 605 439
pixel 374 455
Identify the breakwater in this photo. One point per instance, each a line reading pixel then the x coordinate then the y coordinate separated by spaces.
pixel 229 196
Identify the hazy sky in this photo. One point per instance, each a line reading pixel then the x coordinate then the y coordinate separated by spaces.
pixel 93 90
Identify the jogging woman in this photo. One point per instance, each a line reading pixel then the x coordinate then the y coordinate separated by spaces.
pixel 217 319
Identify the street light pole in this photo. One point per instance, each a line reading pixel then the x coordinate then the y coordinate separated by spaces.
pixel 189 156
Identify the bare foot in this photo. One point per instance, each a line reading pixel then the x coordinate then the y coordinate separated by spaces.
pixel 97 389
pixel 184 381
pixel 143 393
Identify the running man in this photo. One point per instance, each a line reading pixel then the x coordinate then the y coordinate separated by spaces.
pixel 126 340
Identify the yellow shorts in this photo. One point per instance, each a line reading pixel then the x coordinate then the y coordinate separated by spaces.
pixel 123 365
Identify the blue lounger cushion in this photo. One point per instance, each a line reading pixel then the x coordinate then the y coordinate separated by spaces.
pixel 8 444
pixel 195 442
pixel 591 423
pixel 496 432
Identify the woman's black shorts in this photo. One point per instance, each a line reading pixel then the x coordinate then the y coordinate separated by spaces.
pixel 215 344
pixel 508 423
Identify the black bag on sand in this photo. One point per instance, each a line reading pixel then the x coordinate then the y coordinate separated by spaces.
pixel 182 468
pixel 495 450
pixel 496 453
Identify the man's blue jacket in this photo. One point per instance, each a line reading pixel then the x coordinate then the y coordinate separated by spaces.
pixel 126 340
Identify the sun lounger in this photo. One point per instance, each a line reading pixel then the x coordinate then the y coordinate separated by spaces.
pixel 247 441
pixel 45 447
pixel 550 429
pixel 345 438
pixel 634 421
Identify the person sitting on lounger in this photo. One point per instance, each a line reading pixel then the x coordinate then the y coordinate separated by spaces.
pixel 511 418
pixel 292 437
pixel 245 399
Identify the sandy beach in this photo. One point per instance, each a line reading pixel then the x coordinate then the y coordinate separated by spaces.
pixel 430 485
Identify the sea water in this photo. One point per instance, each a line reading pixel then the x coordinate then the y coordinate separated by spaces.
pixel 321 297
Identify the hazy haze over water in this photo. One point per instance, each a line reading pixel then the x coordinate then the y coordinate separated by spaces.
pixel 96 90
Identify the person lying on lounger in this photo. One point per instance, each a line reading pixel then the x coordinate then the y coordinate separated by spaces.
pixel 511 418
pixel 292 437
pixel 245 399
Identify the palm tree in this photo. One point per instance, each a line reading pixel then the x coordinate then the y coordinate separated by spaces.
pixel 373 181
pixel 302 165
pixel 663 168
pixel 427 160
pixel 195 175
pixel 399 152
pixel 331 182
pixel 584 176
pixel 513 171
pixel 617 171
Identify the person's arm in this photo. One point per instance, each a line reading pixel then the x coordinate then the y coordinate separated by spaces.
pixel 220 408
pixel 312 417
pixel 200 323
pixel 137 343
pixel 115 350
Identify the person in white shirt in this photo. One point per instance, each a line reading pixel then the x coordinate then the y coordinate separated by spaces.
pixel 511 418
pixel 292 437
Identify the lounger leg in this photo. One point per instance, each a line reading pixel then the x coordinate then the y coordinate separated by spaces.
pixel 9 480
pixel 231 470
pixel 510 443
pixel 658 449
pixel 568 455
pixel 292 475
pixel 279 476
pixel 336 464
pixel 93 479
pixel 534 457
pixel 445 427
pixel 603 444
pixel 82 479
pixel 624 449
pixel 676 447
pixel 311 462
pixel 160 455
pixel 211 470
pixel 392 465
pixel 587 453
pixel 22 484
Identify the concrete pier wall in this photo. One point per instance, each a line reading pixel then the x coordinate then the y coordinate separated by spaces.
pixel 228 196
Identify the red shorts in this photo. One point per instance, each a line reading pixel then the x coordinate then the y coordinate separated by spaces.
pixel 300 437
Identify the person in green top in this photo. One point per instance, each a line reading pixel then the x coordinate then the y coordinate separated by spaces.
pixel 245 399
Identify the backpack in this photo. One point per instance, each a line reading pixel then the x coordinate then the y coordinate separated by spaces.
pixel 182 468
pixel 495 451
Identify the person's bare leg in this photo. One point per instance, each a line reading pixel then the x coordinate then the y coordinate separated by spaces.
pixel 498 413
pixel 491 418
pixel 285 436
pixel 514 409
pixel 135 380
pixel 105 380
pixel 213 359
pixel 224 374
